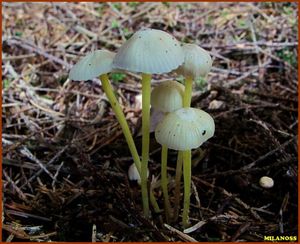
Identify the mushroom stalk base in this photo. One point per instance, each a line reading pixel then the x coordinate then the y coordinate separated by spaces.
pixel 122 120
pixel 146 91
pixel 164 181
pixel 187 165
pixel 154 202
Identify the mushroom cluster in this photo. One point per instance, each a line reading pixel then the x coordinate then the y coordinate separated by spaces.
pixel 148 52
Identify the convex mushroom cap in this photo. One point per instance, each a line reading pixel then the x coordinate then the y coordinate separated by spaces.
pixel 185 129
pixel 133 173
pixel 149 51
pixel 167 96
pixel 92 65
pixel 197 62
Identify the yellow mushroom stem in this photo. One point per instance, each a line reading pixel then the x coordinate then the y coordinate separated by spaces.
pixel 187 186
pixel 122 120
pixel 187 97
pixel 164 182
pixel 179 165
pixel 187 166
pixel 153 201
pixel 146 91
pixel 126 131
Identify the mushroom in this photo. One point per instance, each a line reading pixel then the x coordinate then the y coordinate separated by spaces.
pixel 166 97
pixel 148 52
pixel 197 63
pixel 185 129
pixel 99 63
pixel 134 175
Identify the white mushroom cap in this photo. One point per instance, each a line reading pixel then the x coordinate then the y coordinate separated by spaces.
pixel 149 51
pixel 91 66
pixel 167 96
pixel 185 129
pixel 133 173
pixel 266 182
pixel 197 62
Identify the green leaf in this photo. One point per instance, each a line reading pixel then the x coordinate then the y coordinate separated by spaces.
pixel 115 24
pixel 6 83
pixel 201 83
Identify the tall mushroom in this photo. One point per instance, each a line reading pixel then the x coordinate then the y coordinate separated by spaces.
pixel 185 129
pixel 99 63
pixel 148 52
pixel 197 63
pixel 166 97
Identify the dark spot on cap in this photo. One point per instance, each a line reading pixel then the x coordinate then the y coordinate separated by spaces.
pixel 140 37
pixel 160 39
pixel 177 124
pixel 166 51
pixel 90 64
pixel 173 134
pixel 203 133
pixel 175 45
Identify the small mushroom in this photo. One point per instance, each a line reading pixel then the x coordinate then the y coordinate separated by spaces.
pixel 197 63
pixel 185 129
pixel 134 175
pixel 99 63
pixel 167 96
pixel 148 52
pixel 92 65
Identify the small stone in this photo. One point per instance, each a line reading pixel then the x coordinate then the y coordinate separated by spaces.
pixel 266 182
pixel 215 104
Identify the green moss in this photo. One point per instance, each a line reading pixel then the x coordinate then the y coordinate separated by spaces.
pixel 288 56
pixel 200 83
pixel 116 77
pixel 6 84
pixel 115 24
pixel 133 4
pixel 118 6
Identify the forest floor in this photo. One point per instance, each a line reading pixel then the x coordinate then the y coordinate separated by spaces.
pixel 65 159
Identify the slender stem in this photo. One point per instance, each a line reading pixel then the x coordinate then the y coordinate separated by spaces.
pixel 187 165
pixel 164 182
pixel 187 96
pixel 154 202
pixel 146 91
pixel 177 185
pixel 121 118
